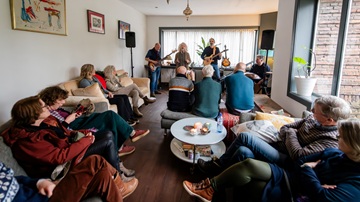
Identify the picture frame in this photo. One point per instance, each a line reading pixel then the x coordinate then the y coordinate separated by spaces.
pixel 122 28
pixel 39 16
pixel 96 22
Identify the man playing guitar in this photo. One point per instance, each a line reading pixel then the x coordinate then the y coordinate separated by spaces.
pixel 211 51
pixel 153 58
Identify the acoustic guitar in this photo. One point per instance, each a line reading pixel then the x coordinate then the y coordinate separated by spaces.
pixel 209 60
pixel 226 61
pixel 152 66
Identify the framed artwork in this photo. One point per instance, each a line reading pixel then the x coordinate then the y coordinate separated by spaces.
pixel 122 28
pixel 39 16
pixel 96 22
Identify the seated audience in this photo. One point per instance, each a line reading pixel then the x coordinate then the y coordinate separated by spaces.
pixel 260 68
pixel 102 181
pixel 121 101
pixel 113 85
pixel 45 148
pixel 331 175
pixel 310 135
pixel 180 91
pixel 54 97
pixel 239 91
pixel 207 95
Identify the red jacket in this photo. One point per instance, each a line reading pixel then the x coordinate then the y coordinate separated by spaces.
pixel 39 151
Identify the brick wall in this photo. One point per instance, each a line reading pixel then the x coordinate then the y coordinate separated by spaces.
pixel 325 48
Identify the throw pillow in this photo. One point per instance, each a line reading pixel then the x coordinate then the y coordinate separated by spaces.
pixel 101 79
pixel 90 91
pixel 263 129
pixel 125 81
pixel 276 120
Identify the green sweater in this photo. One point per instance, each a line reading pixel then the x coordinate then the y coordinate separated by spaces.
pixel 207 98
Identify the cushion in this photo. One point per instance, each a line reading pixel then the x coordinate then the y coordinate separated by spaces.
pixel 91 91
pixel 167 114
pixel 276 120
pixel 263 129
pixel 101 79
pixel 125 81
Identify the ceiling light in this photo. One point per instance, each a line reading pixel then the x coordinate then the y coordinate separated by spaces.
pixel 187 12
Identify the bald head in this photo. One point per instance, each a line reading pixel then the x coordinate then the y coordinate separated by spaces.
pixel 240 67
pixel 181 70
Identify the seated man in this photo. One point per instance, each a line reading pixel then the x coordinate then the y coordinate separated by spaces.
pixel 260 68
pixel 239 91
pixel 180 88
pixel 207 101
pixel 308 136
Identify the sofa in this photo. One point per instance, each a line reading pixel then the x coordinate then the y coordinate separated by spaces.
pixel 95 94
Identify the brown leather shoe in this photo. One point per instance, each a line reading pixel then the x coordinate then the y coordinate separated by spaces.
pixel 148 100
pixel 126 188
pixel 137 112
pixel 202 190
pixel 152 94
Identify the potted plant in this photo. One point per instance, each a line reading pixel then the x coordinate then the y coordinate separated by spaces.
pixel 304 82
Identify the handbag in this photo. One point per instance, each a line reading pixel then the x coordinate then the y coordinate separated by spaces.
pixel 85 106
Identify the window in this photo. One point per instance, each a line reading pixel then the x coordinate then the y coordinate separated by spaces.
pixel 331 29
pixel 240 42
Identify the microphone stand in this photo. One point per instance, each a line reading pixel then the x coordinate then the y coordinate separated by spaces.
pixel 132 65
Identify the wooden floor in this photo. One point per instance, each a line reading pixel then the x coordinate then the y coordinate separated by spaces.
pixel 160 173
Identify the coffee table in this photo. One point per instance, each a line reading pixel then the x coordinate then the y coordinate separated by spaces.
pixel 212 138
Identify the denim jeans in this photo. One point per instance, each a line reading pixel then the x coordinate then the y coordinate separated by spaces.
pixel 154 79
pixel 216 72
pixel 246 146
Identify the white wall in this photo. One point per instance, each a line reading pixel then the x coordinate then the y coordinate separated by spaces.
pixel 30 61
pixel 154 22
pixel 282 58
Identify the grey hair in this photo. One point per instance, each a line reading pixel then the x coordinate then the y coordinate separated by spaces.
pixel 349 131
pixel 108 71
pixel 182 44
pixel 208 71
pixel 334 107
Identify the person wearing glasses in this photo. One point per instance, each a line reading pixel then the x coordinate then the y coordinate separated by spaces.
pixel 310 135
pixel 330 175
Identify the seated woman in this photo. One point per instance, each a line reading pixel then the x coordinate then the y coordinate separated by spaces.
pixel 45 148
pixel 113 85
pixel 121 101
pixel 102 181
pixel 331 175
pixel 54 97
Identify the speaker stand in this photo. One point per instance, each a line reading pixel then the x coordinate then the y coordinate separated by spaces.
pixel 132 65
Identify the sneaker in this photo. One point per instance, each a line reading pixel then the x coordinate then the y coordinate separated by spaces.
pixel 148 100
pixel 157 92
pixel 126 188
pixel 125 150
pixel 139 134
pixel 202 190
pixel 126 172
pixel 131 123
pixel 126 179
pixel 211 168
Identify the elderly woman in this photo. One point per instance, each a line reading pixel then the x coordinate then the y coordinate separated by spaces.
pixel 207 101
pixel 55 97
pixel 102 180
pixel 182 57
pixel 331 175
pixel 121 101
pixel 113 85
pixel 45 148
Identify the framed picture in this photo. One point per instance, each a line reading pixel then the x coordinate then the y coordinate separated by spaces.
pixel 96 22
pixel 39 16
pixel 123 27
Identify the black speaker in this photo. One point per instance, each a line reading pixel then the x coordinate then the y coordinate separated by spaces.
pixel 267 39
pixel 130 39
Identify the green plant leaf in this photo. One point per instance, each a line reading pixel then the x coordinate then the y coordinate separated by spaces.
pixel 300 60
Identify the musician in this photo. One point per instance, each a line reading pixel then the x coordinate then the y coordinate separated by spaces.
pixel 260 68
pixel 210 51
pixel 153 57
pixel 182 57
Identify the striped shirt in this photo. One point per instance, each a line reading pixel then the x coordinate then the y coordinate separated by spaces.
pixel 306 137
pixel 180 98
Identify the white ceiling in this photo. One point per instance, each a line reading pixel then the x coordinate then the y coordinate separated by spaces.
pixel 204 7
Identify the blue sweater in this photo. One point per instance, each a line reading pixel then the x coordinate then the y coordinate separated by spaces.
pixel 239 91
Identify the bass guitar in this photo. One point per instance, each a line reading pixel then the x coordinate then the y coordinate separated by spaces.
pixel 226 61
pixel 152 66
pixel 209 60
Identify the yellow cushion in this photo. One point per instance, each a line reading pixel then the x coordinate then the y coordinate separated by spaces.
pixel 276 120
pixel 91 91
